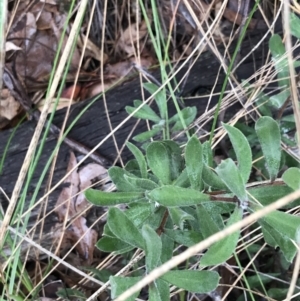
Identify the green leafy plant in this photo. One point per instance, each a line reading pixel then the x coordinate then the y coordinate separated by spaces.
pixel 162 123
pixel 176 197
pixel 180 197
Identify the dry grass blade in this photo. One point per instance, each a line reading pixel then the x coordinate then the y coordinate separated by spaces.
pixel 296 109
pixel 2 39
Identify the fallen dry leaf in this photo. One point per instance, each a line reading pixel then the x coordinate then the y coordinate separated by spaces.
pixel 114 73
pixel 67 93
pixel 86 175
pixel 36 30
pixel 9 107
pixel 119 69
pixel 71 202
pixel 62 103
pixel 51 286
pixel 88 238
pixel 11 46
pixel 97 88
pixel 130 36
pixel 237 18
pixel 38 48
pixel 92 50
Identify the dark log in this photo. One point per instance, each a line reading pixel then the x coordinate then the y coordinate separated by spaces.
pixel 93 126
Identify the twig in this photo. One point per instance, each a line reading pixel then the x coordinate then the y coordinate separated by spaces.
pixel 161 227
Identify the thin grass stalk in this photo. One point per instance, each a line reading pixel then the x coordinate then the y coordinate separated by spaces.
pixel 231 65
pixel 3 16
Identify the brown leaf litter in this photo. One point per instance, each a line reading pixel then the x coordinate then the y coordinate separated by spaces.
pixel 36 29
pixel 71 206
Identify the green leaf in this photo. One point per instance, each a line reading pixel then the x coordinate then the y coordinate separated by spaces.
pixel 248 131
pixel 285 223
pixel 218 207
pixel 117 176
pixel 182 180
pixel 276 46
pixel 295 25
pixel 278 293
pixel 176 158
pixel 207 224
pixel 207 154
pixel 296 64
pixel 232 178
pixel 139 212
pixel 242 150
pixel 276 239
pixel 212 179
pixel 133 167
pixel 146 135
pixel 155 218
pixel 221 251
pixel 153 247
pixel 140 184
pixel 159 291
pixel 280 229
pixel 292 178
pixel 279 99
pixel 179 216
pixel 259 279
pixel 269 194
pixel 194 162
pixel 102 275
pixel 120 284
pixel 160 98
pixel 188 114
pixel 70 294
pixel 154 294
pixel 164 159
pixel 277 49
pixel 123 228
pixel 193 281
pixel 145 112
pixel 289 118
pixel 140 159
pixel 102 198
pixel 173 196
pixel 167 248
pixel 187 238
pixel 268 133
pixel 262 103
pixel 159 161
pixel 107 231
pixel 110 244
